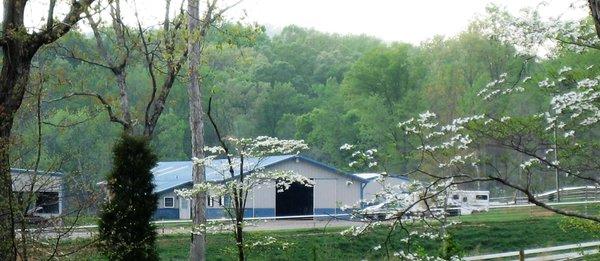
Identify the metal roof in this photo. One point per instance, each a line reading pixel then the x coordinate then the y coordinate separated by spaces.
pixel 173 174
pixel 369 176
pixel 39 172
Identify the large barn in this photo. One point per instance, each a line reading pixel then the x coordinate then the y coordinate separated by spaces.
pixel 333 189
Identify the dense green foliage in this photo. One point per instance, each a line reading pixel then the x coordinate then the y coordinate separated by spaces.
pixel 327 89
pixel 125 231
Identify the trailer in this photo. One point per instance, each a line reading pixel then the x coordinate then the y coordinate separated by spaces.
pixel 465 202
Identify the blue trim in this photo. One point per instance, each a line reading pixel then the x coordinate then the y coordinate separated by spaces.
pixel 264 212
pixel 166 213
pixel 215 213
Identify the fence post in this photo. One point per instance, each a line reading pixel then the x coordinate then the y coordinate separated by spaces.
pixel 521 255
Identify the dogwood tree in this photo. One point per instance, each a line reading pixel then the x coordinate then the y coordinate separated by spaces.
pixel 416 210
pixel 557 140
pixel 241 172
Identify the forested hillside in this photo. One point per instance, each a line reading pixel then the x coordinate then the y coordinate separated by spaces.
pixel 327 89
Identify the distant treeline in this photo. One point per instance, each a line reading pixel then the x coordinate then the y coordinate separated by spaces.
pixel 327 89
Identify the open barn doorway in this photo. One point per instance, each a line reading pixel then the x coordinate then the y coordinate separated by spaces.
pixel 294 201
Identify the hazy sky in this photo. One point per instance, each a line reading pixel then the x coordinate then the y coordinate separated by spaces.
pixel 391 20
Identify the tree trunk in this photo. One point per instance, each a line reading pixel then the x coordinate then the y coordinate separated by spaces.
pixel 124 101
pixel 197 248
pixel 595 12
pixel 239 237
pixel 7 222
pixel 13 81
pixel 14 77
pixel 18 49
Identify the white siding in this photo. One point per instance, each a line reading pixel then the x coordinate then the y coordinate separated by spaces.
pixel 331 190
pixel 325 193
pixel 161 199
pixel 264 197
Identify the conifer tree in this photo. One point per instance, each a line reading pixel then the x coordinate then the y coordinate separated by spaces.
pixel 125 229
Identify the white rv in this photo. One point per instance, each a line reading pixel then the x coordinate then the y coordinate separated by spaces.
pixel 465 202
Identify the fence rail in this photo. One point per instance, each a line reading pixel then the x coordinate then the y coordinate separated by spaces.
pixel 503 205
pixel 550 253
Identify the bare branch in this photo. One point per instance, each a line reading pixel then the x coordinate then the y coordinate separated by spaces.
pixel 99 42
pixel 51 34
pixel 50 21
pixel 70 54
pixel 531 197
pixel 101 99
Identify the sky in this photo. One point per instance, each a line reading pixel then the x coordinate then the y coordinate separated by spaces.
pixel 411 21
pixel 391 20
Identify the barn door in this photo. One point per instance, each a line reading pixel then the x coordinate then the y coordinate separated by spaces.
pixel 184 208
pixel 297 200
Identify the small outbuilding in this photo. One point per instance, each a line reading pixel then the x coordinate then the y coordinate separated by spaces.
pixel 373 183
pixel 332 190
pixel 47 188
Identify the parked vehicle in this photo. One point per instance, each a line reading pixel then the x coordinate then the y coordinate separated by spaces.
pixel 465 202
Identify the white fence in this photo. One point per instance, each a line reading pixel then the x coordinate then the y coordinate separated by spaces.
pixel 563 252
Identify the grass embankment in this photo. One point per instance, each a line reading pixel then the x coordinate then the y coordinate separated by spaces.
pixel 495 231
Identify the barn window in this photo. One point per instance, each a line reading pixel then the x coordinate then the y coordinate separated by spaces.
pixel 225 201
pixel 464 199
pixel 169 202
pixel 455 197
pixel 481 197
pixel 211 203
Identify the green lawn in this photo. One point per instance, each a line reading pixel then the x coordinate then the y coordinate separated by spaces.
pixel 495 231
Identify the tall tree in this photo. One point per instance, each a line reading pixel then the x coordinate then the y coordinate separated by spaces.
pixel 18 48
pixel 196 114
pixel 125 229
pixel 161 57
pixel 197 30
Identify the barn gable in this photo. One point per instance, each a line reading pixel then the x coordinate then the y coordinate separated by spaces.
pixel 175 174
pixel 333 188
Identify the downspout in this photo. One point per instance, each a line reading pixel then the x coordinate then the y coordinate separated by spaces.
pixel 61 194
pixel 362 191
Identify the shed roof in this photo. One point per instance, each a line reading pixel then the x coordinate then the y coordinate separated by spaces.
pixel 39 172
pixel 369 176
pixel 173 174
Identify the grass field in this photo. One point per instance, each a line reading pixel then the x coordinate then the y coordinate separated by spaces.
pixel 495 231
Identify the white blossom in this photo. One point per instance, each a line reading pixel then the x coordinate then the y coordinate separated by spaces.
pixel 570 133
pixel 564 69
pixel 346 146
pixel 529 163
